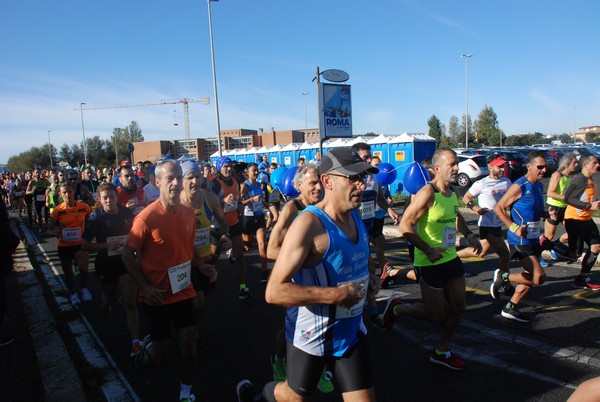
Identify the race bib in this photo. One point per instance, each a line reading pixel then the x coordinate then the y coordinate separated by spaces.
pixel 357 309
pixel 71 234
pixel 274 196
pixel 121 240
pixel 202 237
pixel 449 239
pixel 257 206
pixel 367 210
pixel 533 229
pixel 180 276
pixel 40 198
pixel 231 207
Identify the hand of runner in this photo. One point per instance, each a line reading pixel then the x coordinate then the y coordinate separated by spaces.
pixel 350 294
pixel 522 231
pixel 153 296
pixel 210 271
pixel 482 211
pixel 374 284
pixel 434 255
pixel 477 247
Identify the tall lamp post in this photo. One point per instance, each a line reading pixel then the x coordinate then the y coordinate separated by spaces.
pixel 467 57
pixel 50 149
pixel 214 73
pixel 305 94
pixel 83 131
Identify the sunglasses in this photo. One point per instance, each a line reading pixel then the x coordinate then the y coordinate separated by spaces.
pixel 541 167
pixel 354 179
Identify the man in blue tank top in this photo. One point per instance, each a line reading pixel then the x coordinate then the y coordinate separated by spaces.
pixel 525 201
pixel 324 281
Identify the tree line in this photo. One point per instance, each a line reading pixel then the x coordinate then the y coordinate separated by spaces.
pixel 99 152
pixel 483 132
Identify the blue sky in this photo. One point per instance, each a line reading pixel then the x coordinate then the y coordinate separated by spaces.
pixel 534 62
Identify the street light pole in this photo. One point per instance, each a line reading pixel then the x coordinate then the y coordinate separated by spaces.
pixel 83 131
pixel 50 149
pixel 214 73
pixel 467 57
pixel 305 118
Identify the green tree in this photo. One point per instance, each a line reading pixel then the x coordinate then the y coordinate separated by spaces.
pixel 486 127
pixel 122 137
pixel 435 129
pixel 453 132
pixel 565 138
pixel 27 160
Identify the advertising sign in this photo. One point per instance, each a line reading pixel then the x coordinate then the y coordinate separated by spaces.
pixel 336 111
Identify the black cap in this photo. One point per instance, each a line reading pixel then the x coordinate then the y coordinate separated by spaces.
pixel 346 161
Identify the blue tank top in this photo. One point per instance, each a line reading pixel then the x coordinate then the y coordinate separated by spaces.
pixel 527 210
pixel 368 203
pixel 254 208
pixel 324 329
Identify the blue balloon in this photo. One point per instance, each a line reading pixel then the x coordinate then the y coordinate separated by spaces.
pixel 415 177
pixel 287 186
pixel 277 176
pixel 387 174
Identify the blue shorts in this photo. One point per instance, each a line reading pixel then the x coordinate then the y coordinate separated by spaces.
pixel 437 276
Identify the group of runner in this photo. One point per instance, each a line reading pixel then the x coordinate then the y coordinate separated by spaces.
pixel 160 242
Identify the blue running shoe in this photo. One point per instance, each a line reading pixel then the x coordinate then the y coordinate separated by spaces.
pixel 554 255
pixel 543 263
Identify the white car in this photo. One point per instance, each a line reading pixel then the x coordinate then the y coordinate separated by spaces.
pixel 471 168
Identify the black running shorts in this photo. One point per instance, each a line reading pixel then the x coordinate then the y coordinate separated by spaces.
pixel 159 318
pixel 353 371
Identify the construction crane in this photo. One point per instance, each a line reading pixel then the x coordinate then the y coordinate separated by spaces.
pixel 185 101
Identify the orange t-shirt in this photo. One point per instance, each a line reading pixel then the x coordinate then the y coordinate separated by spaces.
pixel 72 220
pixel 165 241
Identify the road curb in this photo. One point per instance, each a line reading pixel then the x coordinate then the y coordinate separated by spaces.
pixel 95 359
pixel 60 378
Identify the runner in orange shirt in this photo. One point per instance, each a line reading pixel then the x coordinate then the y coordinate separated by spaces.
pixel 158 254
pixel 67 222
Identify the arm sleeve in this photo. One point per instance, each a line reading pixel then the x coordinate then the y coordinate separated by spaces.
pixel 575 190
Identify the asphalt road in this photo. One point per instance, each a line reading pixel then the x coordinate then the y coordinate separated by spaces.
pixel 543 360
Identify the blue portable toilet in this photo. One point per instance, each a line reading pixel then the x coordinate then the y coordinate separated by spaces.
pixel 379 147
pixel 308 150
pixel 289 154
pixel 405 149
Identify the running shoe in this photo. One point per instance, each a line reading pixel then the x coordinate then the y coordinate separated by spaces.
pixel 244 293
pixel 554 255
pixel 496 287
pixel 585 283
pixel 86 296
pixel 6 340
pixel 447 359
pixel 386 278
pixel 189 398
pixel 388 313
pixel 244 391
pixel 513 314
pixel 142 358
pixel 325 385
pixel 135 349
pixel 543 263
pixel 279 368
pixel 74 299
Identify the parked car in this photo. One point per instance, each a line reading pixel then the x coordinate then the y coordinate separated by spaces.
pixel 471 168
